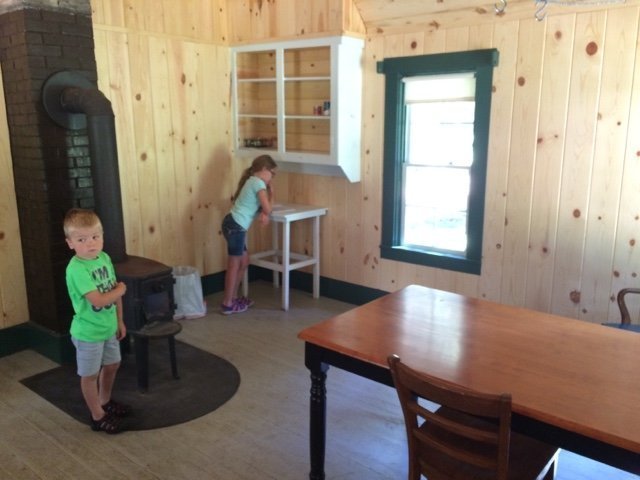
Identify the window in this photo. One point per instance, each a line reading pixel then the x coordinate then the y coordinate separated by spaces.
pixel 437 111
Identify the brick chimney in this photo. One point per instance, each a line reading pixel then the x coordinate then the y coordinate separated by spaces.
pixel 51 164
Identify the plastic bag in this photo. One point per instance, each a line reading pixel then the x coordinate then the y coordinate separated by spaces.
pixel 187 292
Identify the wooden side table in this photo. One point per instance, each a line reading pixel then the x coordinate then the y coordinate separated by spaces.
pixel 284 260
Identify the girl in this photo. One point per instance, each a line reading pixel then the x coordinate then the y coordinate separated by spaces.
pixel 253 198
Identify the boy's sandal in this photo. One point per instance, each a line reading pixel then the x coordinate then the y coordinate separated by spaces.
pixel 108 424
pixel 116 408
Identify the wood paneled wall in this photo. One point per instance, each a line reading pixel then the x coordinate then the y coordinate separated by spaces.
pixel 13 293
pixel 165 68
pixel 562 210
pixel 259 20
pixel 563 197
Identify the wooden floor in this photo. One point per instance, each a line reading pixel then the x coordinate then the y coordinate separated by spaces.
pixel 261 433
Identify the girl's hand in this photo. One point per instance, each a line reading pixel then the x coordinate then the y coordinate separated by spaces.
pixel 263 218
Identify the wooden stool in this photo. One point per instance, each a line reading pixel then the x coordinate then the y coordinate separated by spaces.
pixel 158 329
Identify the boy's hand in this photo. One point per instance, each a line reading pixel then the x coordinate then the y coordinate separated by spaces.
pixel 122 288
pixel 122 331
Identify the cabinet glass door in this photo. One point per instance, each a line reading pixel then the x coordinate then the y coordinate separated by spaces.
pixel 257 100
pixel 307 99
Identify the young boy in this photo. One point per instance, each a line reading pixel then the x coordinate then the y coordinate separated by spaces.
pixel 97 325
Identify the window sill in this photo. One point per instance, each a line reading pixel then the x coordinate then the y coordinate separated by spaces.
pixel 457 263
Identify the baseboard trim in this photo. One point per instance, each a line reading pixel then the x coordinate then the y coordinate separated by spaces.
pixel 53 345
pixel 58 347
pixel 330 288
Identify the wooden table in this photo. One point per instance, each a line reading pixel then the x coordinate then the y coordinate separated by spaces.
pixel 573 383
pixel 280 260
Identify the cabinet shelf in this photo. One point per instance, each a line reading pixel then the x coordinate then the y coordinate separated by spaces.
pixel 256 80
pixel 306 79
pixel 256 115
pixel 302 99
pixel 325 118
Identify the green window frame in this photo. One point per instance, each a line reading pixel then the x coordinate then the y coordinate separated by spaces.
pixel 481 64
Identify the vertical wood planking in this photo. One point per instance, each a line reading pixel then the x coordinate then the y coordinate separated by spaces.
pixel 196 150
pixel 145 156
pixel 102 66
pixel 353 236
pixel 220 22
pixel 498 160
pixel 119 93
pixel 113 13
pixel 215 139
pixel 203 20
pixel 366 253
pixel 167 199
pixel 379 271
pixel 333 224
pixel 304 21
pixel 154 13
pixel 577 165
pixel 97 11
pixel 626 255
pixel 180 128
pixel 480 36
pixel 181 78
pixel 256 20
pixel 177 17
pixel 331 233
pixel 548 160
pixel 522 160
pixel 135 14
pixel 456 39
pixel 13 293
pixel 613 114
pixel 352 19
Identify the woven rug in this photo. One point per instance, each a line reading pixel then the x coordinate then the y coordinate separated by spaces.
pixel 206 382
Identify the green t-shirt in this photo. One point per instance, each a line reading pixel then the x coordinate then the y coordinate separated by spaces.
pixel 91 324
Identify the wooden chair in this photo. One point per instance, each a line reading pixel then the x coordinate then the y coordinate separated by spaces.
pixel 625 316
pixel 469 436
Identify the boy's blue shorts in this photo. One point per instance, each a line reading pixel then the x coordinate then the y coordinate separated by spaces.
pixel 90 356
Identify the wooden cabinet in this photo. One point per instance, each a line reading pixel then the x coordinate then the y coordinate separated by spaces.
pixel 300 101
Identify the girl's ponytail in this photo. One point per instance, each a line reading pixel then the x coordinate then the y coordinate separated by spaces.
pixel 260 162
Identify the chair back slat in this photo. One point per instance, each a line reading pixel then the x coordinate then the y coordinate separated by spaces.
pixel 469 436
pixel 470 428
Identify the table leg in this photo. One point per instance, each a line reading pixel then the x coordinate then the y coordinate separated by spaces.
pixel 316 257
pixel 274 246
pixel 141 346
pixel 317 413
pixel 286 263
